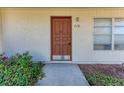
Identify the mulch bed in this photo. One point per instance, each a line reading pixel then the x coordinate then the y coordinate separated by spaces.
pixel 113 69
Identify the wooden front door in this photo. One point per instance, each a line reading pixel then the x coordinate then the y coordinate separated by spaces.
pixel 61 38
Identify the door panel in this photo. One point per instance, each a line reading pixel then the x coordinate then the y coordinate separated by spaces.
pixel 61 38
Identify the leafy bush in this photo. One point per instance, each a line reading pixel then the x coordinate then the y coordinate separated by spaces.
pixel 19 70
pixel 100 79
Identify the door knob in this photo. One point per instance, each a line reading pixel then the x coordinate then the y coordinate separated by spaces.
pixel 69 43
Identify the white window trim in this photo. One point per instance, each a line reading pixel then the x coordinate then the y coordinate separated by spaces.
pixel 113 28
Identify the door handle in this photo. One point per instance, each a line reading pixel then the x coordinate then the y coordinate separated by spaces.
pixel 69 43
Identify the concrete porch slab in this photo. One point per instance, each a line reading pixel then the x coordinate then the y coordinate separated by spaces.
pixel 62 75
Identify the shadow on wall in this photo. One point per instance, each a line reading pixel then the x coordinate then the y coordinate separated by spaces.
pixel 36 56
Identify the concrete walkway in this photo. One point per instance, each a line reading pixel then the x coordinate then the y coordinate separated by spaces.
pixel 62 75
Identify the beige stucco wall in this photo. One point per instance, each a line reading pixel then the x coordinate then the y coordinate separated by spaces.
pixel 1 33
pixel 28 29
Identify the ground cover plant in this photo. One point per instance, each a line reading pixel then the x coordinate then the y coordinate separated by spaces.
pixel 104 74
pixel 19 70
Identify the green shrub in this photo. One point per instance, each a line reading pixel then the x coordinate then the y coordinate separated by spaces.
pixel 19 70
pixel 100 79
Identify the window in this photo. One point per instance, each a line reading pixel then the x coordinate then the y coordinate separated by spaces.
pixel 109 33
pixel 102 34
pixel 119 34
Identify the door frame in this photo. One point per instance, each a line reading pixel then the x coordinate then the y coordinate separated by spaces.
pixel 52 17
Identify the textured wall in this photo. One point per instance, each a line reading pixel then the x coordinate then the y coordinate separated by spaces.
pixel 29 29
pixel 1 33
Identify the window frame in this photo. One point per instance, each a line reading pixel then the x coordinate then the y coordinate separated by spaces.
pixel 112 33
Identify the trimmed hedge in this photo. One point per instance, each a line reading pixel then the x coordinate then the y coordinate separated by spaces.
pixel 19 70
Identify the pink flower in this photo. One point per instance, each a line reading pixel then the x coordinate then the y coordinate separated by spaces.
pixel 3 57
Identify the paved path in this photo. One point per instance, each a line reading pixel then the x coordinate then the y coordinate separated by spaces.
pixel 62 75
